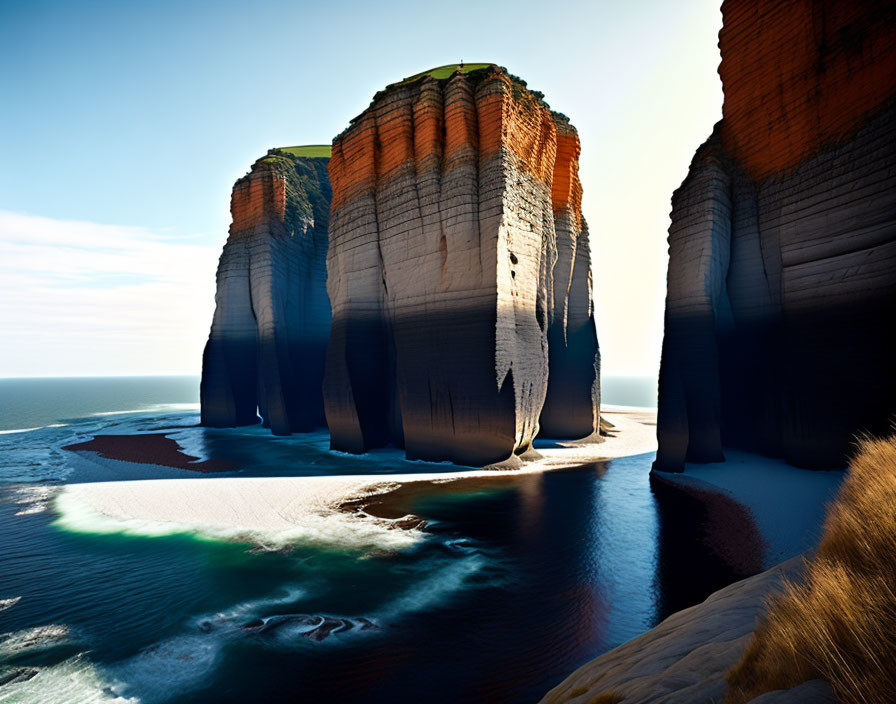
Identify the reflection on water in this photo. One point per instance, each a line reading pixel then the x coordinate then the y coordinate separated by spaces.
pixel 705 541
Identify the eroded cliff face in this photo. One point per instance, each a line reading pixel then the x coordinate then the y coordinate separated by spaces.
pixel 442 251
pixel 782 272
pixel 265 352
pixel 571 406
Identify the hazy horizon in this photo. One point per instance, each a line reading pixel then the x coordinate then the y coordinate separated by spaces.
pixel 125 127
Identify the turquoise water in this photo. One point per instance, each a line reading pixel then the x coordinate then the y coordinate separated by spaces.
pixel 509 586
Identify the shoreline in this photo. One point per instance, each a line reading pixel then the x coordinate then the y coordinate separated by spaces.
pixel 278 509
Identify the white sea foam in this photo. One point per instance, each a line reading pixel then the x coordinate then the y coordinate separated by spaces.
pixel 155 674
pixel 246 610
pixel 28 430
pixel 154 408
pixel 435 589
pixel 76 680
pixel 33 498
pixel 440 586
pixel 30 639
pixel 9 603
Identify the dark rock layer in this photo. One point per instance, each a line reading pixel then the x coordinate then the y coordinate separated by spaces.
pixel 782 271
pixel 265 352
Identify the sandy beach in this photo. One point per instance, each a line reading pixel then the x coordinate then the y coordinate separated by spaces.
pixel 274 511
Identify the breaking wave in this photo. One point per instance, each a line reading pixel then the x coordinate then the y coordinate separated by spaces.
pixel 31 639
pixel 76 680
pixel 290 525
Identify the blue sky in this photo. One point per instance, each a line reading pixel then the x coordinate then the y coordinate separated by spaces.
pixel 124 124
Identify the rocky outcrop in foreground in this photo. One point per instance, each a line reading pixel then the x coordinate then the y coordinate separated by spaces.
pixel 782 271
pixel 265 353
pixel 451 200
pixel 684 659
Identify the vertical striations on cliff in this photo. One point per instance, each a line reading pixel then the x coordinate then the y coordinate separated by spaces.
pixel 265 353
pixel 782 249
pixel 442 248
pixel 572 403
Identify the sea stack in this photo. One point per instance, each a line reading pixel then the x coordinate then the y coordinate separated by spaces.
pixel 441 261
pixel 265 353
pixel 782 271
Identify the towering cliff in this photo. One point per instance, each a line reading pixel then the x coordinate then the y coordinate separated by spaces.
pixel 782 271
pixel 442 251
pixel 265 353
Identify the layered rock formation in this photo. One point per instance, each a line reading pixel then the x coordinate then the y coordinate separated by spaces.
pixel 441 260
pixel 782 272
pixel 265 352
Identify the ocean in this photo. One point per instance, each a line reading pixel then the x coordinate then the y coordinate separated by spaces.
pixel 510 585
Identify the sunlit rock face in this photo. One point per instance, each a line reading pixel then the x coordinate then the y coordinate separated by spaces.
pixel 782 272
pixel 265 353
pixel 441 260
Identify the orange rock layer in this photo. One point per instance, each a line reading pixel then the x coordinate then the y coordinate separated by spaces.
pixel 566 189
pixel 801 74
pixel 257 198
pixel 500 113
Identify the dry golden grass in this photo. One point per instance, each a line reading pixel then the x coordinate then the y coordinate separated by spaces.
pixel 839 623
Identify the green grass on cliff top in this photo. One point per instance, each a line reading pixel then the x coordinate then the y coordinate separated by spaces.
pixel 443 72
pixel 319 151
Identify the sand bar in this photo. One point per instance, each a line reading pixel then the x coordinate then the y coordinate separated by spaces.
pixel 279 510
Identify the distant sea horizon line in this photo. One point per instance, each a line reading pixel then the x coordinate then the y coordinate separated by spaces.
pixel 30 402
